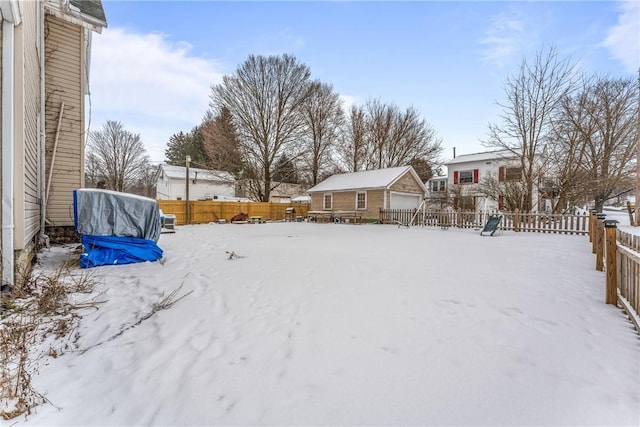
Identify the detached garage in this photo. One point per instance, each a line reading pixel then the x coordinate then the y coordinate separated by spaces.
pixel 369 191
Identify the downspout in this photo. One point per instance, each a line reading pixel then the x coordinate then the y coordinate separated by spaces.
pixel 8 28
pixel 43 132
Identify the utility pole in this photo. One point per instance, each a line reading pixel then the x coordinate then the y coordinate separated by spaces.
pixel 187 207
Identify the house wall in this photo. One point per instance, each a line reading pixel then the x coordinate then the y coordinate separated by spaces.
pixel 346 200
pixel 406 184
pixel 375 201
pixel 65 71
pixel 316 202
pixel 171 189
pixel 486 168
pixel 26 138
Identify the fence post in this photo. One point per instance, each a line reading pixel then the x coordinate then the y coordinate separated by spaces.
pixel 594 232
pixel 611 296
pixel 516 220
pixel 592 220
pixel 599 241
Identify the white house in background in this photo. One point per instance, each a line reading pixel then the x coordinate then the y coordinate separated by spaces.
pixel 436 198
pixel 467 172
pixel 203 184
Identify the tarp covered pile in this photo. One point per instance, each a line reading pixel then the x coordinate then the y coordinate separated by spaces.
pixel 116 228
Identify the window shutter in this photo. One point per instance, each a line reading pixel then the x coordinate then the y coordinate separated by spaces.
pixel 501 173
pixel 455 177
pixel 475 176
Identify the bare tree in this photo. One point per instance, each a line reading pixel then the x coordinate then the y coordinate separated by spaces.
pixel 383 136
pixel 116 155
pixel 533 94
pixel 608 128
pixel 567 180
pixel 507 193
pixel 265 96
pixel 353 151
pixel 324 122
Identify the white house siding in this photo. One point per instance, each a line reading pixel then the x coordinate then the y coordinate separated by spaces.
pixel 26 163
pixel 486 164
pixel 65 54
pixel 172 189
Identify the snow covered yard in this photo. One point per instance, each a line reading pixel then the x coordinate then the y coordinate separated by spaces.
pixel 325 324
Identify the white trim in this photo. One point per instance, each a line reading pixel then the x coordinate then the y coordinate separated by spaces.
pixel 324 201
pixel 8 129
pixel 365 200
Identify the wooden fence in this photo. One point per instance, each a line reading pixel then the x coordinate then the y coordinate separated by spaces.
pixel 618 254
pixel 530 222
pixel 205 211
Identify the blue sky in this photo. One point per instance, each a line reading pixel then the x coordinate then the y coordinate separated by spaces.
pixel 153 67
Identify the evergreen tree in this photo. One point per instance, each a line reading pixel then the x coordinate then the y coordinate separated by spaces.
pixel 182 144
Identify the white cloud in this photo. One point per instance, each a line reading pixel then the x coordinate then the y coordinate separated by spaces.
pixel 148 82
pixel 503 39
pixel 622 39
pixel 347 102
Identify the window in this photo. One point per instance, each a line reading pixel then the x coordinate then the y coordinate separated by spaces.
pixel 470 176
pixel 328 201
pixel 361 200
pixel 466 177
pixel 438 185
pixel 509 174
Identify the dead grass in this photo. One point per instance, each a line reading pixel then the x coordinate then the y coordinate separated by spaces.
pixel 46 309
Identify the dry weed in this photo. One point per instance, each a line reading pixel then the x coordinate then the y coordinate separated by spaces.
pixel 45 308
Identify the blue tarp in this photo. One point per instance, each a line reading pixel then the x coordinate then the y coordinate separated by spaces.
pixel 113 250
pixel 116 228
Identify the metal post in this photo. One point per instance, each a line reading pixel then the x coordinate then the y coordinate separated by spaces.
pixel 188 208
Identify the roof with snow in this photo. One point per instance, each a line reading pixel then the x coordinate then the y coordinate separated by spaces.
pixel 486 155
pixel 179 172
pixel 373 179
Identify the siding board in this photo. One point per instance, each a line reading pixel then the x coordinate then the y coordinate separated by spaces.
pixel 31 113
pixel 65 80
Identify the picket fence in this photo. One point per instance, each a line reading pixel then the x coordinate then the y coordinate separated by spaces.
pixel 515 221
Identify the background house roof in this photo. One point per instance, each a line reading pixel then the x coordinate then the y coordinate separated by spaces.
pixel 486 155
pixel 379 178
pixel 179 172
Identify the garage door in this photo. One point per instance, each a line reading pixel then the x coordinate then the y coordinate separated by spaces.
pixel 404 201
